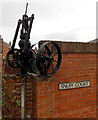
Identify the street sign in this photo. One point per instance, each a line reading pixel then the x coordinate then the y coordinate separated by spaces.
pixel 72 85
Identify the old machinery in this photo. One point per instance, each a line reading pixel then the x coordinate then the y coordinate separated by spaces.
pixel 43 62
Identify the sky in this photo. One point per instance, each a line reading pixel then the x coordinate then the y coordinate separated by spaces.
pixel 63 20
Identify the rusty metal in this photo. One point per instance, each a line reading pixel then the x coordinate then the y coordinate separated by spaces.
pixel 48 58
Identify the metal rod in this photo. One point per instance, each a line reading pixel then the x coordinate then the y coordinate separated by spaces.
pixel 23 99
pixel 16 34
pixel 29 29
pixel 26 8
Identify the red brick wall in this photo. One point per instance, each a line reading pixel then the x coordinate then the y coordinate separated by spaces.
pixel 72 103
pixel 44 100
pixel 78 64
pixel 5 49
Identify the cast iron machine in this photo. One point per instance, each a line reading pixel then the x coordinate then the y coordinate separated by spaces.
pixel 43 62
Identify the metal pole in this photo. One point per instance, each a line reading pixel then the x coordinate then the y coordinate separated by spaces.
pixel 16 34
pixel 23 98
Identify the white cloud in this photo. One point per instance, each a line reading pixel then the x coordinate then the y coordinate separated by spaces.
pixel 71 19
pixel 63 36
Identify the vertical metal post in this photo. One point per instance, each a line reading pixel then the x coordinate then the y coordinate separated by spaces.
pixel 23 98
pixel 29 29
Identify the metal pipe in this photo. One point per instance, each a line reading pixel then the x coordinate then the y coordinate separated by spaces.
pixel 23 99
pixel 29 29
pixel 16 34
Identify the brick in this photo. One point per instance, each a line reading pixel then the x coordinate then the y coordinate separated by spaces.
pixel 44 100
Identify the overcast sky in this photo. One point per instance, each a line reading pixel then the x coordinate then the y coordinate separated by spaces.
pixel 67 20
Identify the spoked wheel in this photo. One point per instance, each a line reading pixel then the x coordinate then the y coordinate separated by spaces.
pixel 11 58
pixel 48 58
pixel 32 62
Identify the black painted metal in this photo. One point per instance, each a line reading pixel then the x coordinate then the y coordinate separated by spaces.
pixel 48 58
pixel 16 34
pixel 11 58
pixel 45 62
